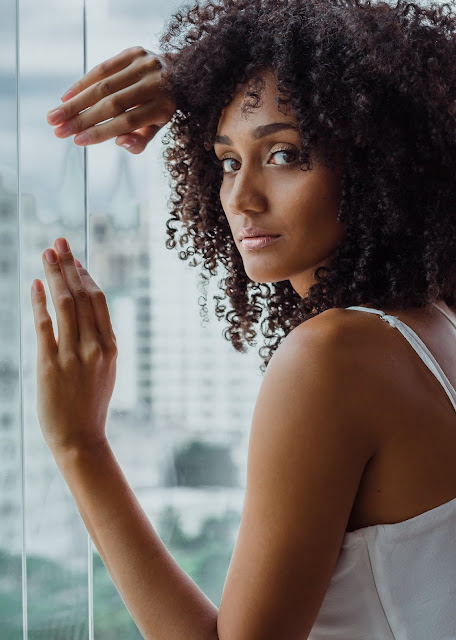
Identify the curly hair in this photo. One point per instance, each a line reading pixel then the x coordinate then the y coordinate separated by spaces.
pixel 374 81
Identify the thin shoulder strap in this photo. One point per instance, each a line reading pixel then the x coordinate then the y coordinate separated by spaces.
pixel 444 313
pixel 419 346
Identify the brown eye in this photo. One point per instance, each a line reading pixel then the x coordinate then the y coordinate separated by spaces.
pixel 225 166
pixel 288 154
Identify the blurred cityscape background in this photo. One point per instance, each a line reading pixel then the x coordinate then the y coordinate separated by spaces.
pixel 181 410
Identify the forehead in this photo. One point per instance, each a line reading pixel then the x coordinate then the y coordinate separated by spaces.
pixel 233 118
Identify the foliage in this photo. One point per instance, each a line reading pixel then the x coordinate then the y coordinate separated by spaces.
pixel 57 598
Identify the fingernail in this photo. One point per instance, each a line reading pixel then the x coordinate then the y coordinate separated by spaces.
pixel 62 245
pixel 57 116
pixel 69 94
pixel 64 129
pixel 50 256
pixel 78 264
pixel 37 286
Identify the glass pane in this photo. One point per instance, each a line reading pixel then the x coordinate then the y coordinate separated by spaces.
pixel 181 409
pixel 11 541
pixel 53 195
pixel 181 388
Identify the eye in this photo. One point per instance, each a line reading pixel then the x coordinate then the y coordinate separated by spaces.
pixel 225 162
pixel 288 154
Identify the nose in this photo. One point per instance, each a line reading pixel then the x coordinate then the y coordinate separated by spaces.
pixel 246 193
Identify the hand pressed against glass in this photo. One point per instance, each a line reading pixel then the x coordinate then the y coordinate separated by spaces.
pixel 76 376
pixel 126 88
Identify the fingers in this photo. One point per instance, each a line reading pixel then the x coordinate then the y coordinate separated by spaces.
pixel 63 302
pixel 71 300
pixel 81 309
pixel 99 305
pixel 47 345
pixel 122 124
pixel 90 302
pixel 124 83
pixel 107 68
pixel 117 104
pixel 99 97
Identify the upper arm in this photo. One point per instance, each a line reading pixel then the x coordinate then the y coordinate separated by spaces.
pixel 307 452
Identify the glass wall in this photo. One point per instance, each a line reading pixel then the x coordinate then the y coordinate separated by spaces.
pixel 181 410
pixel 11 511
pixel 52 196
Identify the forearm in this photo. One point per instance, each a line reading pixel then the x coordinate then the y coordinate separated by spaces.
pixel 163 600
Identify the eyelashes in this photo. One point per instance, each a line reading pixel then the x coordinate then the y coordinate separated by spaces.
pixel 283 150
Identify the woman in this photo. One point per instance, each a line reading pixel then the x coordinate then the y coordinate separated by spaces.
pixel 328 125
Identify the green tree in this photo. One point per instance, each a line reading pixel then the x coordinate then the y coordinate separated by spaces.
pixel 199 463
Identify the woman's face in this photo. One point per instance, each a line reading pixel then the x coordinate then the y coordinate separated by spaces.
pixel 263 186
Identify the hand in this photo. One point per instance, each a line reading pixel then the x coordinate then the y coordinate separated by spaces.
pixel 133 78
pixel 76 377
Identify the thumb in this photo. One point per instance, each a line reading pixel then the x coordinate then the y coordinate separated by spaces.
pixel 136 141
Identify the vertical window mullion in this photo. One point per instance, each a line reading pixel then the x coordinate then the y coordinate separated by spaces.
pixel 86 257
pixel 19 289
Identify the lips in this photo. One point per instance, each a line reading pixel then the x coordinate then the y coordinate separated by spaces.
pixel 256 232
pixel 258 242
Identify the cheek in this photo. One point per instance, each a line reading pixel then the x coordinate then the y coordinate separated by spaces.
pixel 223 195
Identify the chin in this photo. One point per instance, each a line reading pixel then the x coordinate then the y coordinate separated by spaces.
pixel 265 275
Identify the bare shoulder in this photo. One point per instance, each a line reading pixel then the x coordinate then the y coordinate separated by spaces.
pixel 330 360
pixel 350 337
pixel 335 338
pixel 337 326
pixel 349 351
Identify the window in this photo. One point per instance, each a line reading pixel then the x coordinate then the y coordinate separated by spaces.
pixel 43 540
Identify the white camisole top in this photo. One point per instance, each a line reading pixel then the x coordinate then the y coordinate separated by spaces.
pixel 396 581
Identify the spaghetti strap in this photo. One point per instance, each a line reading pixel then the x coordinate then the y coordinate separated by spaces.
pixel 444 313
pixel 418 345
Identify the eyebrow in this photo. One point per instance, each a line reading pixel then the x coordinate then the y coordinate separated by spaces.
pixel 260 132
